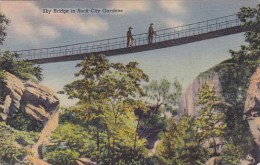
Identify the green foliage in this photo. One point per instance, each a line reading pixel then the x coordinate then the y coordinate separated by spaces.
pixel 25 70
pixel 72 141
pixel 234 75
pixel 11 154
pixel 62 157
pixel 250 17
pixel 163 97
pixel 1 86
pixel 12 143
pixel 4 21
pixel 72 136
pixel 181 144
pixel 104 81
pixel 234 78
pixel 189 141
pixel 23 122
pixel 9 62
pixel 107 95
pixel 151 125
pixel 165 94
pixel 211 118
pixel 1 76
pixel 231 155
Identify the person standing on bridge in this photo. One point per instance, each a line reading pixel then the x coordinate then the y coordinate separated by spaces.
pixel 151 32
pixel 130 38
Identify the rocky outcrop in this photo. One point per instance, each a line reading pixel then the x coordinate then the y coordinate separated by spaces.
pixel 38 103
pixel 40 95
pixel 189 97
pixel 252 109
pixel 13 92
pixel 27 97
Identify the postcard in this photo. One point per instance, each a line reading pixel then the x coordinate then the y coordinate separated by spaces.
pixel 130 82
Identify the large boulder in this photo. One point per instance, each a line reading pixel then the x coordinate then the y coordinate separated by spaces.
pixel 32 99
pixel 13 92
pixel 40 96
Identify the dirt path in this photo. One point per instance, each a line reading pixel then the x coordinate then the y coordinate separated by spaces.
pixel 50 126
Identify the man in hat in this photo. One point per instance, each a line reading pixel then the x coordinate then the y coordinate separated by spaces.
pixel 151 32
pixel 130 38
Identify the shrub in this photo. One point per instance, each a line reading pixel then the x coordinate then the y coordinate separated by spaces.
pixel 62 157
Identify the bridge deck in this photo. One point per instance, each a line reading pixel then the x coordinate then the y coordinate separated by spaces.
pixel 115 46
pixel 135 49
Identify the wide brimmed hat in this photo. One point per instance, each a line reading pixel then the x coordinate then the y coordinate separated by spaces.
pixel 130 28
pixel 151 23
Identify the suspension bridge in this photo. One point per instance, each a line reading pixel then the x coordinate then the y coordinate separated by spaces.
pixel 169 37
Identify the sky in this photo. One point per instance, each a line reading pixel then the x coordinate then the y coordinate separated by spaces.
pixel 31 28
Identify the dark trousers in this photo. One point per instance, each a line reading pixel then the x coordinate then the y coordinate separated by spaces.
pixel 150 39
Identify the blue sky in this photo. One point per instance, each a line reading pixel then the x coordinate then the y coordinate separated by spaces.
pixel 30 28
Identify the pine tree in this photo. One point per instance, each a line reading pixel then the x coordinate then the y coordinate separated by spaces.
pixel 4 21
pixel 180 144
pixel 211 118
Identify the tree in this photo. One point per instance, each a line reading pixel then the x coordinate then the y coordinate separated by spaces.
pixel 164 94
pixel 10 62
pixel 13 143
pixel 181 145
pixel 161 97
pixel 71 141
pixel 231 155
pixel 234 75
pixel 107 94
pixel 189 140
pixel 62 157
pixel 4 21
pixel 211 118
pixel 105 81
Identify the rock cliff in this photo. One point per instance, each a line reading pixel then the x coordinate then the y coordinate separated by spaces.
pixel 251 110
pixel 36 104
pixel 189 97
pixel 27 97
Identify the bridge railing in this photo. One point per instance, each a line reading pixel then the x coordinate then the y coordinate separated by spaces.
pixel 140 39
pixel 198 28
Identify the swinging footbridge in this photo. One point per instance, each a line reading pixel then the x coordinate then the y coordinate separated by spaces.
pixel 169 37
